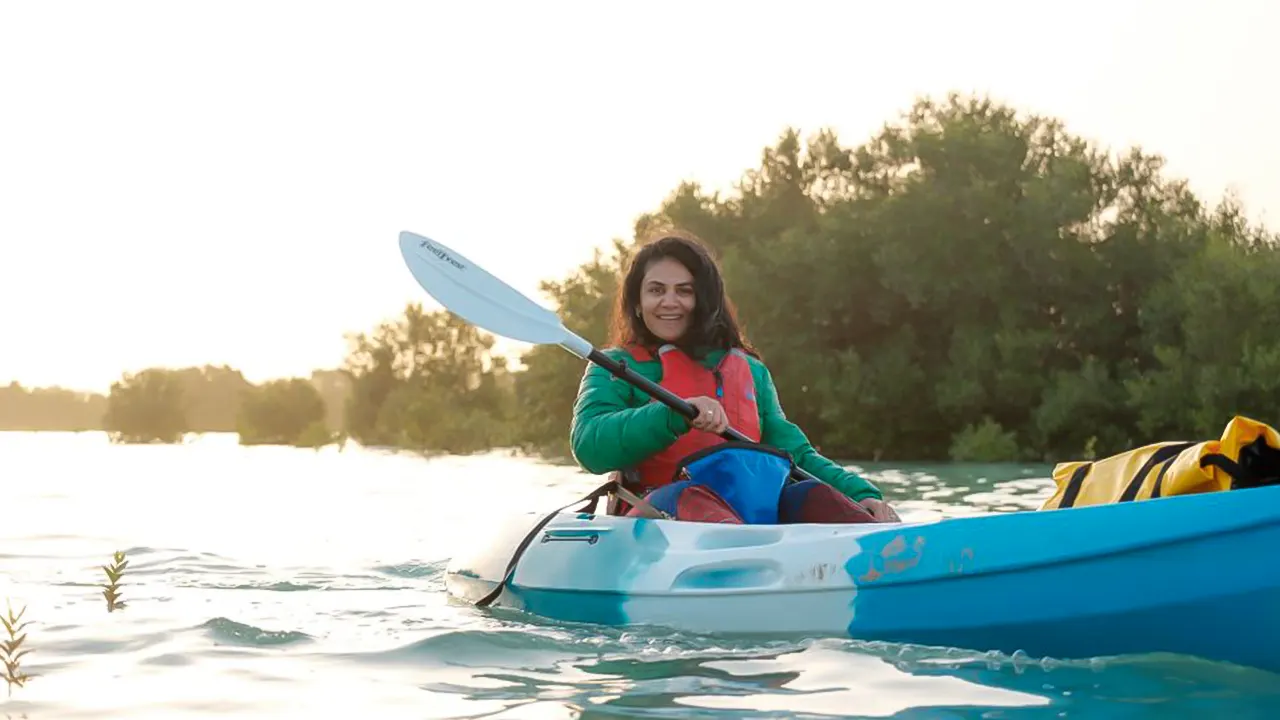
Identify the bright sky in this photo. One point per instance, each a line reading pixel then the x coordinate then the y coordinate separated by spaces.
pixel 223 182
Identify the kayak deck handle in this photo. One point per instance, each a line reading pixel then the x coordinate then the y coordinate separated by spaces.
pixel 730 575
pixel 589 535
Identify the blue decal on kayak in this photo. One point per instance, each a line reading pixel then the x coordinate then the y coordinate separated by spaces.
pixel 1179 575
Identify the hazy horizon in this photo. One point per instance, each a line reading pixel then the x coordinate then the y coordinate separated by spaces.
pixel 229 183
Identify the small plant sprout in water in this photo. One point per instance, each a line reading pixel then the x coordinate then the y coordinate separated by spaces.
pixel 111 591
pixel 11 650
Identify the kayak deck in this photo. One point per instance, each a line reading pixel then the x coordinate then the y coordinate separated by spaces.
pixel 1191 574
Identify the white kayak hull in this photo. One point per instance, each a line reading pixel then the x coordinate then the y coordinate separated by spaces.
pixel 1190 574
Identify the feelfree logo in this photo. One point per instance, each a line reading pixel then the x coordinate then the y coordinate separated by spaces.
pixel 441 254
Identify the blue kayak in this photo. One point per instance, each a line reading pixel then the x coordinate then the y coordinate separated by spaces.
pixel 1191 574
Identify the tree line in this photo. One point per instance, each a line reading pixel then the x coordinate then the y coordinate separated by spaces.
pixel 163 405
pixel 970 283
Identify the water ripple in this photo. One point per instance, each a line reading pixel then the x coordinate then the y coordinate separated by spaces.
pixel 223 630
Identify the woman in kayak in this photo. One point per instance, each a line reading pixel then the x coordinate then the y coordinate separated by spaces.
pixel 674 324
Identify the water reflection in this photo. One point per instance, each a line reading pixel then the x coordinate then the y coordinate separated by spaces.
pixel 929 491
pixel 604 673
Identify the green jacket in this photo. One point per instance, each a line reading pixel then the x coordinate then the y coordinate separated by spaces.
pixel 616 425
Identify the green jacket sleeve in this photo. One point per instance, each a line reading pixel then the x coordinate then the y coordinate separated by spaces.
pixel 778 431
pixel 608 433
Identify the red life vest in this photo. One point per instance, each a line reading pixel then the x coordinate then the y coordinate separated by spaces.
pixel 730 382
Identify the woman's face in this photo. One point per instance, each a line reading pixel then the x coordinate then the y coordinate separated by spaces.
pixel 667 299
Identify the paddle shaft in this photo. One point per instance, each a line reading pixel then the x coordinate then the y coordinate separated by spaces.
pixel 671 400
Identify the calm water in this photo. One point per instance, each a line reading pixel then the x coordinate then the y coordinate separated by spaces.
pixel 272 582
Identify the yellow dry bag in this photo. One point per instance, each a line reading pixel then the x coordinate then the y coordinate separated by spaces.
pixel 1247 455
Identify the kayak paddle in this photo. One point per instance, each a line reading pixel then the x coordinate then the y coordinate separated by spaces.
pixel 470 292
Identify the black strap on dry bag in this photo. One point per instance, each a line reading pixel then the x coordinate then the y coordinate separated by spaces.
pixel 1166 455
pixel 1259 465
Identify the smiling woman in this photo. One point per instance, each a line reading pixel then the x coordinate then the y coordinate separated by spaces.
pixel 667 299
pixel 675 325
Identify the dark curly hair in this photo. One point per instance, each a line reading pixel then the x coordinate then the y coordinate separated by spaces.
pixel 714 325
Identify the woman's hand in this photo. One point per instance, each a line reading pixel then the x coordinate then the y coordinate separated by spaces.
pixel 711 415
pixel 880 510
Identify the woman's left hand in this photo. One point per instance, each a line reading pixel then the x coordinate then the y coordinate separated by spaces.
pixel 880 510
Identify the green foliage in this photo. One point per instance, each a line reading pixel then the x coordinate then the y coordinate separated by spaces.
pixel 162 405
pixel 316 435
pixel 429 382
pixel 212 396
pixel 545 390
pixel 11 650
pixel 970 280
pixel 209 401
pixel 53 408
pixel 148 406
pixel 111 590
pixel 985 442
pixel 334 387
pixel 283 412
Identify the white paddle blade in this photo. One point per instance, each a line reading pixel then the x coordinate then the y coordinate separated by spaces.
pixel 470 292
